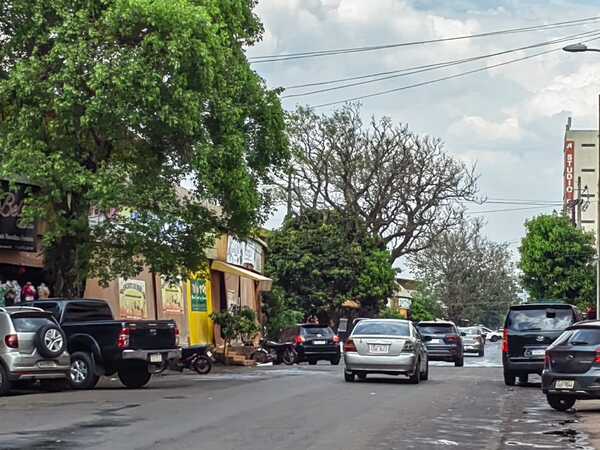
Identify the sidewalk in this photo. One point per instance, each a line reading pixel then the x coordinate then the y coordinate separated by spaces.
pixel 589 420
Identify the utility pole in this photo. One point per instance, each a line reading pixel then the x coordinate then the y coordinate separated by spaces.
pixel 597 219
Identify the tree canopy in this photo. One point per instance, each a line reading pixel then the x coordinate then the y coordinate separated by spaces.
pixel 471 277
pixel 403 186
pixel 557 260
pixel 320 259
pixel 113 105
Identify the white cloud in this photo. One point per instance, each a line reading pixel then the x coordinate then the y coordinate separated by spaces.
pixel 511 119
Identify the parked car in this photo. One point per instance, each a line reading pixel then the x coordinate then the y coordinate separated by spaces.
pixel 443 341
pixel 572 366
pixel 100 345
pixel 385 346
pixel 528 331
pixel 33 347
pixel 473 340
pixel 496 335
pixel 313 342
pixel 485 332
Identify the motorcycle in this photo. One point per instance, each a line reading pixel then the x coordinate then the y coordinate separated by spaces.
pixel 275 352
pixel 198 358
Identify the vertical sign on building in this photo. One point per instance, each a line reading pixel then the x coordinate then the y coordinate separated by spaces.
pixel 569 170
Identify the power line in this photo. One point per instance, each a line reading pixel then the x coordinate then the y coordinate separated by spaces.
pixel 428 67
pixel 316 53
pixel 436 80
pixel 509 209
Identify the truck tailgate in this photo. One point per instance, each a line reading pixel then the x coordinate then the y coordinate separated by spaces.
pixel 151 335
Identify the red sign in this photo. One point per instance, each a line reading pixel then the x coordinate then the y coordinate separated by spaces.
pixel 569 170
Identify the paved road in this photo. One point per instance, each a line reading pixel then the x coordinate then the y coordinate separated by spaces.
pixel 306 407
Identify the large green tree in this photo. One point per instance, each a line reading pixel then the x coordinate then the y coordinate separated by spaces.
pixel 320 259
pixel 557 260
pixel 114 104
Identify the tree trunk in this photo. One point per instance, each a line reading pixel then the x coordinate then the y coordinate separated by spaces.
pixel 67 257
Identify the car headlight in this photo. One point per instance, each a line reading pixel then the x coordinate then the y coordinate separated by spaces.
pixel 409 347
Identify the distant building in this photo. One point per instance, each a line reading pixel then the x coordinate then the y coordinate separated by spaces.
pixel 401 299
pixel 580 176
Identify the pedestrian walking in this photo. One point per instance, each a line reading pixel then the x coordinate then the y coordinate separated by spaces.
pixel 43 291
pixel 28 293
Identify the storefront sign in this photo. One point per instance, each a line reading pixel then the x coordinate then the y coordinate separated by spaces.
pixel 13 234
pixel 172 298
pixel 245 253
pixel 132 299
pixel 569 170
pixel 199 296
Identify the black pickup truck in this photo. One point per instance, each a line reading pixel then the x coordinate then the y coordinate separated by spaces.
pixel 100 345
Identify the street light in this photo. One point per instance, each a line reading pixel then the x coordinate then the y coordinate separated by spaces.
pixel 579 48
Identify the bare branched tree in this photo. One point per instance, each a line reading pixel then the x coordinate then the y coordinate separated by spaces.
pixel 402 185
pixel 471 276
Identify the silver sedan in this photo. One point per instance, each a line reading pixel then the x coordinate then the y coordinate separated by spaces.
pixel 385 346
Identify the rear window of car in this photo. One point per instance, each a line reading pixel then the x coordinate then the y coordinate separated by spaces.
pixel 316 331
pixel 87 311
pixel 579 337
pixel 539 319
pixel 382 329
pixel 30 324
pixel 441 328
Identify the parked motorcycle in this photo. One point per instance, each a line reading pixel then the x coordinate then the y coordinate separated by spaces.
pixel 275 352
pixel 198 358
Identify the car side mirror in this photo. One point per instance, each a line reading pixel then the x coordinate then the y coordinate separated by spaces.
pixel 463 334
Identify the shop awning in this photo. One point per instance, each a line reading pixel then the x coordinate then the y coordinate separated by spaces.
pixel 264 283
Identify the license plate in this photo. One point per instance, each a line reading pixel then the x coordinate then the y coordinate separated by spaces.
pixel 564 384
pixel 538 352
pixel 46 364
pixel 319 342
pixel 436 341
pixel 378 348
pixel 155 358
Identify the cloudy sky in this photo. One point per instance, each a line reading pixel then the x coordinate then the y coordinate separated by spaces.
pixel 510 120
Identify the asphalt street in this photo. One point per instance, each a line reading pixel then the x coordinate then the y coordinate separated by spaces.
pixel 299 407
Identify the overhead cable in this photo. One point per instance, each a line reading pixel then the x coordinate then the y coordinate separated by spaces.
pixel 317 53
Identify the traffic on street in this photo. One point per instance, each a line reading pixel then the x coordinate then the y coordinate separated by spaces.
pixel 291 407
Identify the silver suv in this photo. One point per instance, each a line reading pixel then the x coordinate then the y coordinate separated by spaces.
pixel 32 347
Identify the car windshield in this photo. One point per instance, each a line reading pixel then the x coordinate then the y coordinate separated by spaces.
pixel 540 319
pixel 382 329
pixel 442 328
pixel 470 331
pixel 317 331
pixel 30 324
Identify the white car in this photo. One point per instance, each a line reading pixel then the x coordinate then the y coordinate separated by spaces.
pixel 495 336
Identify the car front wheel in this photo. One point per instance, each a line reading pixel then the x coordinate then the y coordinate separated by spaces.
pixel 415 378
pixel 83 371
pixel 349 377
pixel 460 362
pixel 425 374
pixel 560 402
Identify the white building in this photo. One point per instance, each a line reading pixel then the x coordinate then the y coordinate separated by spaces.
pixel 580 176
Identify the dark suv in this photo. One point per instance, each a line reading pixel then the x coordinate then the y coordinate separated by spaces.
pixel 313 343
pixel 443 341
pixel 572 366
pixel 528 330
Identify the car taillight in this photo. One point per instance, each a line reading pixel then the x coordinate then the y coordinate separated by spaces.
pixel 336 339
pixel 505 341
pixel 299 340
pixel 123 340
pixel 11 341
pixel 408 347
pixel 177 336
pixel 547 360
pixel 452 338
pixel 349 346
pixel 597 358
